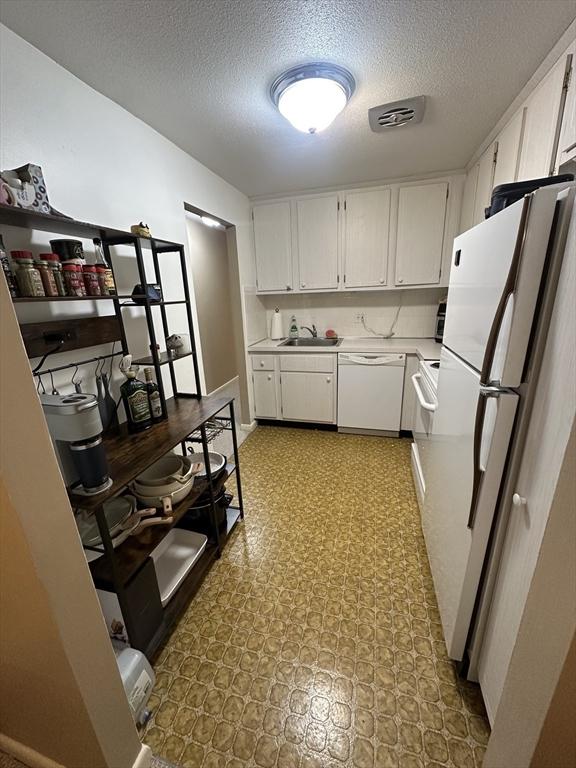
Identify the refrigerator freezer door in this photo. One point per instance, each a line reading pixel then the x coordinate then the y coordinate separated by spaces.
pixel 495 279
pixel 455 550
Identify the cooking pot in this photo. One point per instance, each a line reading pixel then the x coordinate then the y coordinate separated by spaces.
pixel 165 496
pixel 217 462
pixel 165 471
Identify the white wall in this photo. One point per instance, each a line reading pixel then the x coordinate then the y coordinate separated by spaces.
pixel 60 691
pixel 416 318
pixel 103 165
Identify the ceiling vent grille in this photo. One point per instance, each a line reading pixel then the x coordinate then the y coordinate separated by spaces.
pixel 396 114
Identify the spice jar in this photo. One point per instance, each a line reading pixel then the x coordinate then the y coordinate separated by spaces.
pixel 91 280
pixel 102 280
pixel 73 280
pixel 50 288
pixel 27 276
pixel 53 262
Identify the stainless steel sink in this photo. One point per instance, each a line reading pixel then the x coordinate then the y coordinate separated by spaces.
pixel 311 342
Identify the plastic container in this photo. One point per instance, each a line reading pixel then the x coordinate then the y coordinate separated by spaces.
pixel 138 680
pixel 174 558
pixel 27 276
pixel 91 281
pixel 73 280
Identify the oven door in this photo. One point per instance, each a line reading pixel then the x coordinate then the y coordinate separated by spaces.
pixel 426 404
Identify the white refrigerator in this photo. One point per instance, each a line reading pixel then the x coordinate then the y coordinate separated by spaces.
pixel 502 283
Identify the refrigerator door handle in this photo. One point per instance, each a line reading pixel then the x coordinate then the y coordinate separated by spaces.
pixel 509 288
pixel 485 393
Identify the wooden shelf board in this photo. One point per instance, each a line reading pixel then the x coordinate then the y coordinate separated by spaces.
pixel 164 359
pixel 46 222
pixel 127 299
pixel 130 454
pixel 132 554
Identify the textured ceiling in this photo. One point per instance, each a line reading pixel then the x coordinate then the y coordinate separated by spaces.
pixel 199 70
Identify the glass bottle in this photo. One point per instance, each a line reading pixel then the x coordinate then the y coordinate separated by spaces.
pixel 10 279
pixel 135 397
pixel 153 395
pixel 101 263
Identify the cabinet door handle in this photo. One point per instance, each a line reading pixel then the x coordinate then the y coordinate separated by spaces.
pixel 303 285
pixel 381 279
pixel 288 288
pixel 269 377
pixel 328 380
pixel 261 363
pixel 400 280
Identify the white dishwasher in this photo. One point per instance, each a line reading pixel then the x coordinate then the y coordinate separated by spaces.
pixel 370 393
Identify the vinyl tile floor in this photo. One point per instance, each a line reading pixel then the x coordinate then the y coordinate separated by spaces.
pixel 315 641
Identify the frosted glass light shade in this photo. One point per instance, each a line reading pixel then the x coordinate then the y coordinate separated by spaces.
pixel 312 95
pixel 311 105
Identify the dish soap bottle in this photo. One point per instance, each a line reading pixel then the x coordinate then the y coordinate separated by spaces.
pixel 153 396
pixel 135 398
pixel 293 333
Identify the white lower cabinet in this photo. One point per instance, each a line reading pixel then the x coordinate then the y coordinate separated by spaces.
pixel 265 394
pixel 295 387
pixel 308 396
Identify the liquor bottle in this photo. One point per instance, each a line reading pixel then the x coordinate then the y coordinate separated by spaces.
pixel 136 403
pixel 153 396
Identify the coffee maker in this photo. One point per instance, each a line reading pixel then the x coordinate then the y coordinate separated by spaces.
pixel 440 320
pixel 75 426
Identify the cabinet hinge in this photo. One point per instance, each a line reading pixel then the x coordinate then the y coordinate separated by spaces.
pixel 252 215
pixel 338 205
pixel 447 192
pixel 344 204
pixel 337 278
pixel 495 158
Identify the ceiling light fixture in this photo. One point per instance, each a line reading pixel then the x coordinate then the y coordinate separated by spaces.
pixel 210 222
pixel 310 96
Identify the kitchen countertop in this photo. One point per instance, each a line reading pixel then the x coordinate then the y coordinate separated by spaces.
pixel 426 349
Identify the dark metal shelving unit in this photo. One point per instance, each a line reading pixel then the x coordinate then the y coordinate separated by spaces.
pixel 128 570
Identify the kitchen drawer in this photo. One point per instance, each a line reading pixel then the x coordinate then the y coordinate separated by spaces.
pixel 262 362
pixel 311 363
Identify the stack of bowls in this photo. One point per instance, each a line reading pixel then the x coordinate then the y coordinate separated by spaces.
pixel 166 482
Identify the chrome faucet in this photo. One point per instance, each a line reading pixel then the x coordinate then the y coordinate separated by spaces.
pixel 312 330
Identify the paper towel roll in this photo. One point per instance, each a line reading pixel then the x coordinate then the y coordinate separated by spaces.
pixel 276 325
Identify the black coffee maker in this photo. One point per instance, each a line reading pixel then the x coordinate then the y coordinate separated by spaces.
pixel 440 320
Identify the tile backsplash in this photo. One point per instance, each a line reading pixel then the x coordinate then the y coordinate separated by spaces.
pixel 416 318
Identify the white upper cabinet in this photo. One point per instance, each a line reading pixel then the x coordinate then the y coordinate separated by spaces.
pixel 317 227
pixel 541 124
pixel 469 199
pixel 509 147
pixel 485 183
pixel 366 235
pixel 567 144
pixel 420 234
pixel 273 246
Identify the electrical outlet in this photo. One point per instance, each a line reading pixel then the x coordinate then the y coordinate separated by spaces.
pixel 359 318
